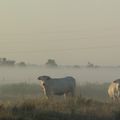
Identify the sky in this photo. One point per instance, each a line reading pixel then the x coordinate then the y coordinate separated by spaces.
pixel 69 31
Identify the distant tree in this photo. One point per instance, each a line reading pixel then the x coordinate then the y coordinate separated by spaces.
pixel 90 65
pixel 51 63
pixel 5 62
pixel 22 64
pixel 76 66
pixel 4 59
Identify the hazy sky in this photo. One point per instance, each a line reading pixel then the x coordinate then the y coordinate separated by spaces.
pixel 69 31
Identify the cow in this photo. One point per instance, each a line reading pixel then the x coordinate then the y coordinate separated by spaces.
pixel 117 81
pixel 114 90
pixel 57 86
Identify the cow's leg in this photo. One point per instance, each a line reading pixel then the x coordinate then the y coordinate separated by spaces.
pixel 65 95
pixel 115 98
pixel 73 93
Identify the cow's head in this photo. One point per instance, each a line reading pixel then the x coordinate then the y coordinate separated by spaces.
pixel 43 80
pixel 116 81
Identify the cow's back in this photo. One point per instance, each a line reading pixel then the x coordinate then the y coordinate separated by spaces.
pixel 67 81
pixel 62 85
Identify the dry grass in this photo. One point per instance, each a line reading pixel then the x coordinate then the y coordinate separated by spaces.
pixel 53 109
pixel 23 102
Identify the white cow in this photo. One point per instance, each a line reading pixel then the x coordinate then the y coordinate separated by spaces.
pixel 57 86
pixel 114 89
pixel 117 81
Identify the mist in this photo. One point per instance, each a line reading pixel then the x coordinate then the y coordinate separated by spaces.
pixel 72 32
pixel 12 75
pixel 79 38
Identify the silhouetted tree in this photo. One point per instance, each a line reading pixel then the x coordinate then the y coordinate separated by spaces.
pixel 51 63
pixel 22 64
pixel 90 65
pixel 5 62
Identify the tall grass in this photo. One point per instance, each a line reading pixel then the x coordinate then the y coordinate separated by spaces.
pixel 76 108
pixel 92 91
pixel 25 102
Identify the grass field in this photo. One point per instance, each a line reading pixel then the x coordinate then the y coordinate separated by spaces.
pixel 25 102
pixel 89 90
